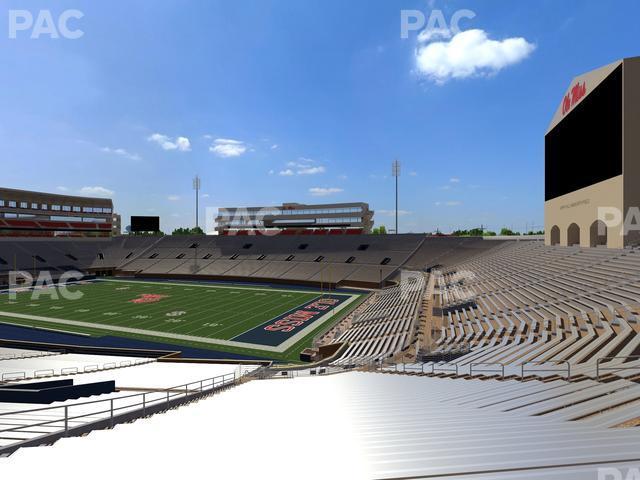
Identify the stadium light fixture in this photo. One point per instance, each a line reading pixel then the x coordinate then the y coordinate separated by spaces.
pixel 395 171
pixel 196 187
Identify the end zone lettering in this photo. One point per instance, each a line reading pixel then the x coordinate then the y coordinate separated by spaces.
pixel 299 317
pixel 323 304
pixel 288 324
pixel 291 321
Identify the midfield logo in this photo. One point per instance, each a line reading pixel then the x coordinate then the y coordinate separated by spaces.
pixel 148 298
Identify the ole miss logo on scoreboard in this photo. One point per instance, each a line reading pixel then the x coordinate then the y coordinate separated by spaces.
pixel 577 92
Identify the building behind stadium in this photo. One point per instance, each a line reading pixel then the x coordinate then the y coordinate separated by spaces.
pixel 35 214
pixel 296 218
pixel 592 164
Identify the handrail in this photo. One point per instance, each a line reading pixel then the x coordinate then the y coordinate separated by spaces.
pixel 543 362
pixel 139 402
pixel 600 361
pixel 169 389
pixel 17 356
pixel 422 364
pixel 486 364
pixel 6 375
pixel 76 370
pixel 438 369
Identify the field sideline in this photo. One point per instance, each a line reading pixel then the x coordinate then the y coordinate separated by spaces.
pixel 195 315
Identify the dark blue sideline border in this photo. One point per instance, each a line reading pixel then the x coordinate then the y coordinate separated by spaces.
pixel 262 335
pixel 30 334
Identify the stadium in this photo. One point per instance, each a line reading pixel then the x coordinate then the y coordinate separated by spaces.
pixel 294 342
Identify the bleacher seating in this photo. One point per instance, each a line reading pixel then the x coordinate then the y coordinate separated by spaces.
pixel 529 304
pixel 373 425
pixel 386 325
pixel 355 260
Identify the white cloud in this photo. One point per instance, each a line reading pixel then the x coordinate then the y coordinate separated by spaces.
pixel 181 144
pixel 286 173
pixel 96 192
pixel 413 174
pixel 454 180
pixel 303 166
pixel 323 192
pixel 450 203
pixel 271 172
pixel 391 213
pixel 468 54
pixel 311 170
pixel 62 189
pixel 274 146
pixel 429 34
pixel 342 177
pixel 227 147
pixel 122 153
pixel 173 198
pixel 205 195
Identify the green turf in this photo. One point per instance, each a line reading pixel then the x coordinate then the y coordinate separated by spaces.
pixel 204 311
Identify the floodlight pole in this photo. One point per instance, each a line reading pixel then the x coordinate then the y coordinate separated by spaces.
pixel 395 171
pixel 196 187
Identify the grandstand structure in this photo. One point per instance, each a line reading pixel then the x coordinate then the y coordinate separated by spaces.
pixel 346 260
pixel 523 358
pixel 591 166
pixel 35 214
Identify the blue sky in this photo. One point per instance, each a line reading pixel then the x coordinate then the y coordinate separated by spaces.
pixel 306 101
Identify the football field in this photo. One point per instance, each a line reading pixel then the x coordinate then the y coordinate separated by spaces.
pixel 264 321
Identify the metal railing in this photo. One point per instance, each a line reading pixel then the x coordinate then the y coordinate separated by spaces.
pixel 600 368
pixel 105 413
pixel 485 370
pixel 270 374
pixel 20 356
pixel 444 368
pixel 553 362
pixel 50 372
pixel 413 367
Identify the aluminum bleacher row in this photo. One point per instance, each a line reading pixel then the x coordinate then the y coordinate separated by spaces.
pixel 386 324
pixel 345 259
pixel 356 260
pixel 375 426
pixel 55 256
pixel 528 304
